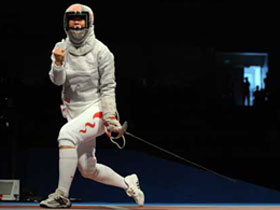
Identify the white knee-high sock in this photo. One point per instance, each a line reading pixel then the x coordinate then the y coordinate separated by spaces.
pixel 68 160
pixel 106 175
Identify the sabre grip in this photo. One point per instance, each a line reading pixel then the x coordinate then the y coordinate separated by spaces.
pixel 114 134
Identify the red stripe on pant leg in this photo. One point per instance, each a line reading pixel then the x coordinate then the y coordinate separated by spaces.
pixel 92 125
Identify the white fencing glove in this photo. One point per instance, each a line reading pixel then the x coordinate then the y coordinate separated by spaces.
pixel 112 125
pixel 113 128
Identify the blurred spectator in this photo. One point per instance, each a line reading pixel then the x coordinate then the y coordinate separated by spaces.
pixel 246 92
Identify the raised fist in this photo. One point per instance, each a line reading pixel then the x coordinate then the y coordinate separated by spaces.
pixel 59 55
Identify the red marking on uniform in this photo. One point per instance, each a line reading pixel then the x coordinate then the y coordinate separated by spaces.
pixel 98 115
pixel 75 8
pixel 108 133
pixel 67 100
pixel 91 125
pixel 1 197
pixel 111 118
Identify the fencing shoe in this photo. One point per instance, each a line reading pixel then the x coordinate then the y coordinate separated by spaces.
pixel 56 200
pixel 133 189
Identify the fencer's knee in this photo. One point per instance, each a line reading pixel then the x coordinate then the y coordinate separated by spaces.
pixel 66 144
pixel 89 171
pixel 89 174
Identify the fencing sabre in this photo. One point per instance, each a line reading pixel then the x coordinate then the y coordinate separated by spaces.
pixel 118 135
pixel 124 131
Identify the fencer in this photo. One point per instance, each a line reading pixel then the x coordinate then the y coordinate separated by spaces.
pixel 85 69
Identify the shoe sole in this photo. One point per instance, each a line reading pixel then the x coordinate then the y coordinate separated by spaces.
pixel 61 207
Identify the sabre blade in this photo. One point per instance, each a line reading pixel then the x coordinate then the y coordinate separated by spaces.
pixel 181 158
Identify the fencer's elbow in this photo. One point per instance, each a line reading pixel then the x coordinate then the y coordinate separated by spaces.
pixel 57 82
pixel 57 79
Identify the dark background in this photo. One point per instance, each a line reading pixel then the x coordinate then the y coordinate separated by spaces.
pixel 170 88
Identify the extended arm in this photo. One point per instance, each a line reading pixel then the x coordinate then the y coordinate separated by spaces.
pixel 107 90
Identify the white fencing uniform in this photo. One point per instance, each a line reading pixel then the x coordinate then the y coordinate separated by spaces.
pixel 87 77
pixel 86 80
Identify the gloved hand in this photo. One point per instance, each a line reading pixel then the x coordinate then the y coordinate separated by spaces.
pixel 114 129
pixel 112 125
pixel 59 55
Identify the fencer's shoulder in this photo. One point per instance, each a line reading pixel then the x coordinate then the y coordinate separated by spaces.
pixel 101 47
